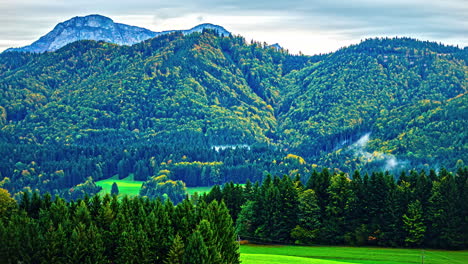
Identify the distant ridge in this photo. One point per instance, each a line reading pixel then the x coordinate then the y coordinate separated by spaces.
pixel 97 27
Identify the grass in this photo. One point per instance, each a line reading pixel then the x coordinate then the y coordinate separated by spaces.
pixel 199 190
pixel 260 254
pixel 128 186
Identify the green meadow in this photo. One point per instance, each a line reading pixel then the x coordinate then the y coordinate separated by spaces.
pixel 128 186
pixel 199 190
pixel 261 254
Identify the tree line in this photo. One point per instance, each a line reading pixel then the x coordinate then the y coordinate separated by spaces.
pixel 40 229
pixel 417 210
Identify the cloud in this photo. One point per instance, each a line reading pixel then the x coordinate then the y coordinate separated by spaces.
pixel 389 161
pixel 311 26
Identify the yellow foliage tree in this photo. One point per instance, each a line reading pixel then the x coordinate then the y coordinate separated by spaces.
pixel 6 202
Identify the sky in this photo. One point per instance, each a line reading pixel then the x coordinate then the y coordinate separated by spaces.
pixel 307 26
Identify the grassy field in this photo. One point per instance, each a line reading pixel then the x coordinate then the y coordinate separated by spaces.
pixel 259 254
pixel 128 186
pixel 199 190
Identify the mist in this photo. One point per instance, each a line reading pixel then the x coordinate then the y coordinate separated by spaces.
pixel 390 161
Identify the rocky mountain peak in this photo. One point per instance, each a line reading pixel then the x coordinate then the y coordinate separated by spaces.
pixel 101 28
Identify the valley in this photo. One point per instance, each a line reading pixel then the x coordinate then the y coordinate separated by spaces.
pixel 108 130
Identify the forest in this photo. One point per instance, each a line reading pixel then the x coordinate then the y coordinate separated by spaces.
pixel 93 110
pixel 109 230
pixel 330 208
pixel 365 146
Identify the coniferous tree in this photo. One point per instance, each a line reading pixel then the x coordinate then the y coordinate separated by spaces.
pixel 115 189
pixel 214 256
pixel 414 224
pixel 245 220
pixel 356 212
pixel 309 218
pixel 176 252
pixel 287 216
pixel 224 232
pixel 334 225
pixel 319 182
pixel 196 251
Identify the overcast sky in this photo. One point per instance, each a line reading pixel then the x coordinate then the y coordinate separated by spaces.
pixel 310 26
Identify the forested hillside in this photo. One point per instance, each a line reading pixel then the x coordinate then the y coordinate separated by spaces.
pixel 210 109
pixel 389 88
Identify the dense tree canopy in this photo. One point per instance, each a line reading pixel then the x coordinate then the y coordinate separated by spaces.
pixel 214 109
pixel 108 230
pixel 373 210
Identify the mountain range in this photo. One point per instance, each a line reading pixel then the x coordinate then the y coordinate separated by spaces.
pixel 100 28
pixel 94 108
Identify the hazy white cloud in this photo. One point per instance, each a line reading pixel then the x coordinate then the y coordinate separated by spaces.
pixel 310 26
pixel 389 162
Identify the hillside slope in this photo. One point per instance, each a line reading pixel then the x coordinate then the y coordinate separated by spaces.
pixel 378 87
pixel 385 101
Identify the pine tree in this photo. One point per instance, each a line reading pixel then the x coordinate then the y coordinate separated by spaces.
pixel 127 249
pixel 196 251
pixel 309 218
pixel 214 256
pixel 176 252
pixel 82 214
pixel 334 225
pixel 55 241
pixel 319 182
pixel 356 212
pixel 218 216
pixel 287 210
pixel 414 224
pixel 378 190
pixel 160 231
pixel 245 220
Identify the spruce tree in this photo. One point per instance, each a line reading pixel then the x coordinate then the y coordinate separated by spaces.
pixel 309 218
pixel 245 220
pixel 287 210
pixel 414 224
pixel 176 252
pixel 214 256
pixel 334 225
pixel 224 233
pixel 196 251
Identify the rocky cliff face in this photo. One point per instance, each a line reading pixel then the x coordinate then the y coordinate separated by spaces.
pixel 97 27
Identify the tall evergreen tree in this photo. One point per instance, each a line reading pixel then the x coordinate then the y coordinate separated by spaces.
pixel 309 225
pixel 245 220
pixel 115 189
pixel 334 225
pixel 176 252
pixel 196 251
pixel 414 224
pixel 224 232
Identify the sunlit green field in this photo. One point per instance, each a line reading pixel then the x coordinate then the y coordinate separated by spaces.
pixel 259 254
pixel 199 190
pixel 128 186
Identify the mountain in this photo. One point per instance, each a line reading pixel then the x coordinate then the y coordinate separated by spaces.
pixel 100 28
pixel 95 109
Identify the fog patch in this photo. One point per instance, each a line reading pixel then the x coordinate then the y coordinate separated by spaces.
pixel 389 161
pixel 217 148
